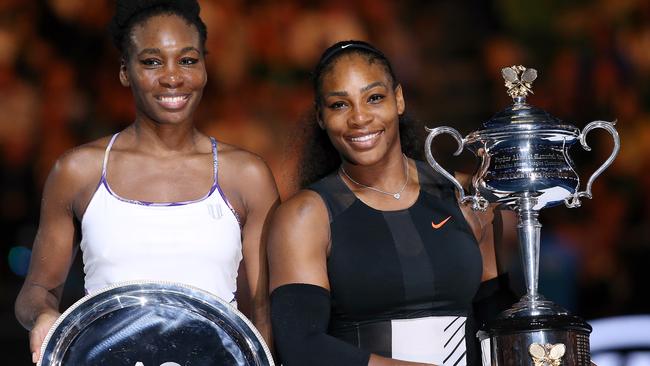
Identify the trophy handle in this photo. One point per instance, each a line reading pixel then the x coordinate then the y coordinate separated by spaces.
pixel 478 203
pixel 573 201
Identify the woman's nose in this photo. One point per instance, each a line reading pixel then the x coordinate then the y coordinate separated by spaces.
pixel 172 78
pixel 360 117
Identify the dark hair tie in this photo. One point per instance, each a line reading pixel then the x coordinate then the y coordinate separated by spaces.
pixel 349 45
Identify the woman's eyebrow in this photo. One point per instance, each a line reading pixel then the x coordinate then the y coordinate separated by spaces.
pixel 372 85
pixel 364 89
pixel 155 51
pixel 190 49
pixel 337 94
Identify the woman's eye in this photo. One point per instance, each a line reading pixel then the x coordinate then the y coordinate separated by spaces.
pixel 337 105
pixel 189 61
pixel 151 62
pixel 375 98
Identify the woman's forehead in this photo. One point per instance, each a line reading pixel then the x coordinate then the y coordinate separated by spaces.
pixel 164 31
pixel 354 69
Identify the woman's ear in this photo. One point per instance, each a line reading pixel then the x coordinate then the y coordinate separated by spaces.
pixel 319 119
pixel 399 98
pixel 124 76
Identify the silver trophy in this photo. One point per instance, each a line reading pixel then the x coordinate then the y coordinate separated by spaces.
pixel 525 166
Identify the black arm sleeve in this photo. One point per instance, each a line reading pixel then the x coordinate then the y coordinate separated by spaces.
pixel 492 297
pixel 300 316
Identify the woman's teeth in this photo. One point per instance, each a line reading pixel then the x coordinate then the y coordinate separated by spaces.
pixel 172 99
pixel 364 137
pixel 173 102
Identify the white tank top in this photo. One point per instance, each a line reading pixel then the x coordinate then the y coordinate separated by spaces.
pixel 195 242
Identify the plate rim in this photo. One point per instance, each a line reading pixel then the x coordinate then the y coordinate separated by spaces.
pixel 144 283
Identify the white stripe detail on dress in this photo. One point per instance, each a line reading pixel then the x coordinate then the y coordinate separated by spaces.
pixel 436 339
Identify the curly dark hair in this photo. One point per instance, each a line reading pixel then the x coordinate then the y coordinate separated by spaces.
pixel 129 13
pixel 319 157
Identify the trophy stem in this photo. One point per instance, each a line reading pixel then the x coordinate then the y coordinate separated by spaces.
pixel 529 230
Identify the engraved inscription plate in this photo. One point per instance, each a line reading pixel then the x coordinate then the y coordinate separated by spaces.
pixel 583 354
pixel 537 168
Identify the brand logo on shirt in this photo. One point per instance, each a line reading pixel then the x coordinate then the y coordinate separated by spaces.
pixel 215 211
pixel 440 224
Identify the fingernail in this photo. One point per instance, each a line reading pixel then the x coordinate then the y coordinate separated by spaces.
pixel 34 357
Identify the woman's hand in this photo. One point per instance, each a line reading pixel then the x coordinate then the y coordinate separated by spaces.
pixel 37 335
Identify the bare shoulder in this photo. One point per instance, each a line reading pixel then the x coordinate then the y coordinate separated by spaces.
pixel 77 172
pixel 304 208
pixel 247 181
pixel 301 222
pixel 299 240
pixel 82 162
pixel 247 164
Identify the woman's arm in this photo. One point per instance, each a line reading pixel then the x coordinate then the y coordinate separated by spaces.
pixel 500 237
pixel 494 230
pixel 260 197
pixel 37 305
pixel 300 302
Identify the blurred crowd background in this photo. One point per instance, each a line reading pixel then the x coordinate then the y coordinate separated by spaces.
pixel 59 88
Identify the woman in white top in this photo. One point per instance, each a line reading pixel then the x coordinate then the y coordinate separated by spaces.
pixel 159 200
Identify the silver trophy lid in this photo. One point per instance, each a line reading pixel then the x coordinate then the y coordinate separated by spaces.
pixel 521 115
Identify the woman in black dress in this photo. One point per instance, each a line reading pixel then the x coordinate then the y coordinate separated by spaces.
pixel 375 263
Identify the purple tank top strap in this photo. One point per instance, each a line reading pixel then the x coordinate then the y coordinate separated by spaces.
pixel 215 185
pixel 215 166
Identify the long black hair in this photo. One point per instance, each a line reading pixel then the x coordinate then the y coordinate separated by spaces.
pixel 319 157
pixel 129 13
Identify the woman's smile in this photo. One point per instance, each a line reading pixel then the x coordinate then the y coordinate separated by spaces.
pixel 173 101
pixel 364 141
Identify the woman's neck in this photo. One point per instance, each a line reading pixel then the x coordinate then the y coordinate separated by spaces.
pixel 157 138
pixel 388 174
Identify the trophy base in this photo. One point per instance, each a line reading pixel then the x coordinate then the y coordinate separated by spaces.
pixel 552 340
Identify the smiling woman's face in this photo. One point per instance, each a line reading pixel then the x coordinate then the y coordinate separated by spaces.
pixel 360 110
pixel 165 70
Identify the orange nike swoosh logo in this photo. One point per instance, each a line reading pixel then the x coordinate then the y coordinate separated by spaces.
pixel 439 225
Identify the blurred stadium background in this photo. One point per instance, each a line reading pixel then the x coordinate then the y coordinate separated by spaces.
pixel 59 88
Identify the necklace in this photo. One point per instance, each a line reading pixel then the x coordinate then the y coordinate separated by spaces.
pixel 395 195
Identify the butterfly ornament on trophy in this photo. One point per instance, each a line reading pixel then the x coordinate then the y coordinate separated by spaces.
pixel 547 354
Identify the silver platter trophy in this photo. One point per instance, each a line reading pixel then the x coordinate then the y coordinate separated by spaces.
pixel 525 166
pixel 153 324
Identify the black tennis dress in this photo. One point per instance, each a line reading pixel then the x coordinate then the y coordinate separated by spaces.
pixel 402 282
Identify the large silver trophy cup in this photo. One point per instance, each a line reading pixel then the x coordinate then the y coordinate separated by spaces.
pixel 525 166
